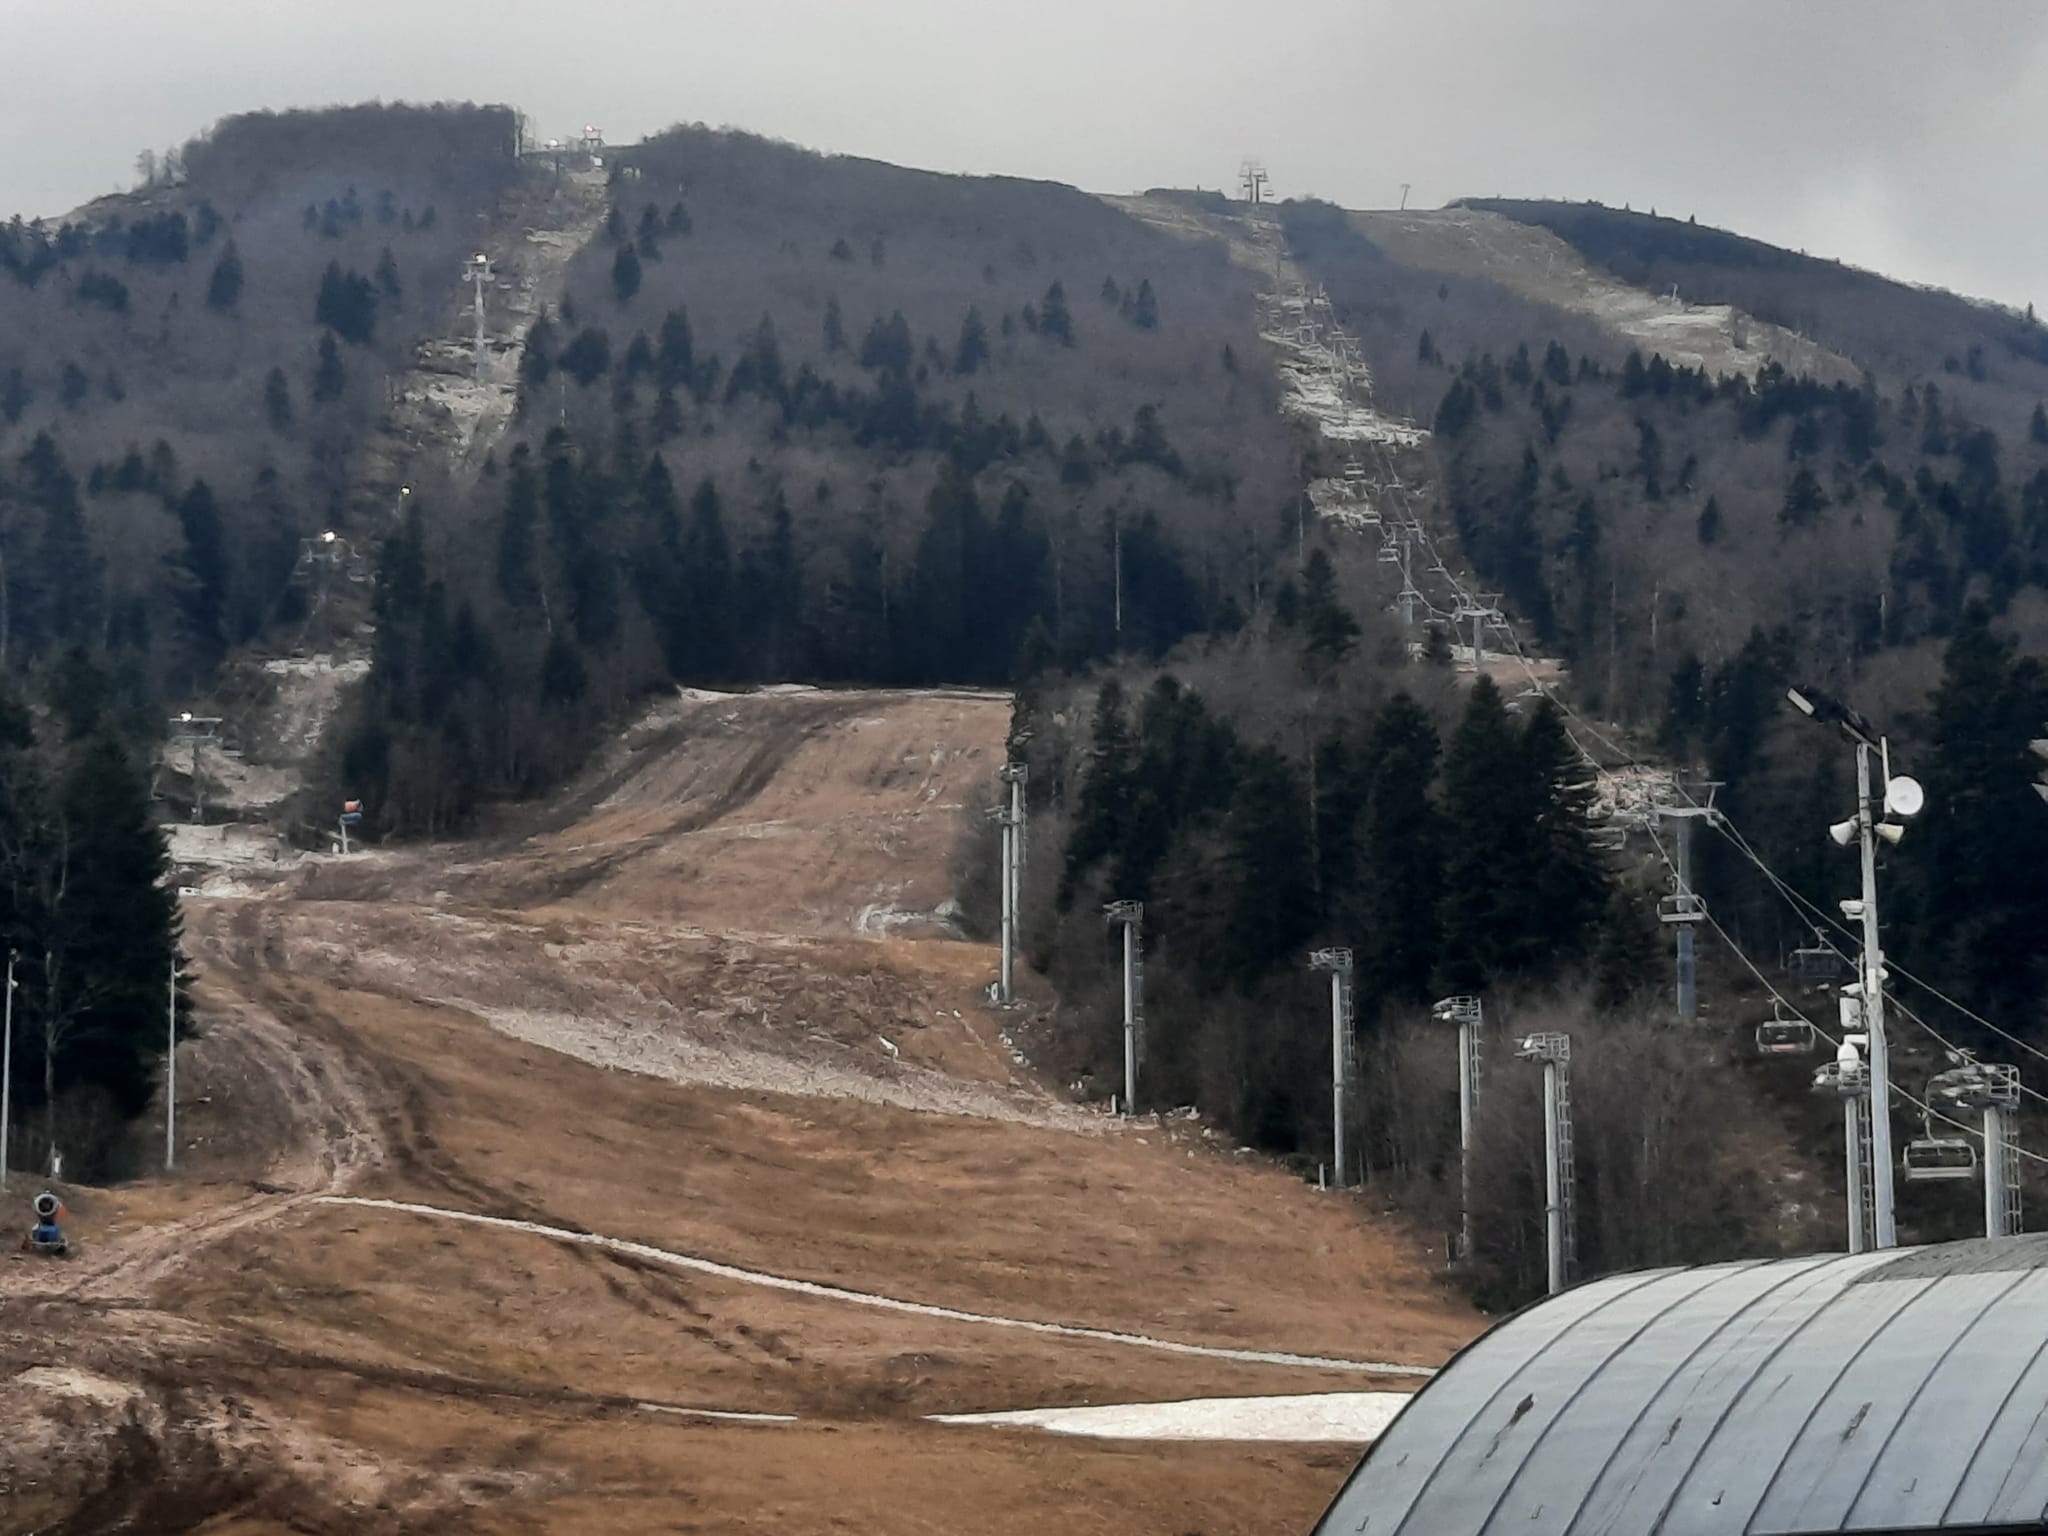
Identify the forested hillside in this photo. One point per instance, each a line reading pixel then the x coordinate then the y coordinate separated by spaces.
pixel 189 375
pixel 1690 544
pixel 823 419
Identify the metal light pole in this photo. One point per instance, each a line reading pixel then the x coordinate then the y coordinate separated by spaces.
pixel 1468 1013
pixel 1338 963
pixel 1886 1235
pixel 1130 916
pixel 1012 820
pixel 1904 797
pixel 7 1070
pixel 171 1073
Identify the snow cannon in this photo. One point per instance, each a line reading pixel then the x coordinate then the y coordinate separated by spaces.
pixel 46 1236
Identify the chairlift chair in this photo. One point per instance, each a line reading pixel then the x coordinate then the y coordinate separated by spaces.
pixel 1680 907
pixel 1783 1034
pixel 1814 962
pixel 1388 555
pixel 1939 1159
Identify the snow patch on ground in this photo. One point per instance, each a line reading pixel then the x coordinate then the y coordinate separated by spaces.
pixel 1346 1418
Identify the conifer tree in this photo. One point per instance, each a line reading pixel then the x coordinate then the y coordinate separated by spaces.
pixel 1054 320
pixel 626 273
pixel 1145 308
pixel 277 401
pixel 1102 811
pixel 206 565
pixel 1328 629
pixel 1401 854
pixel 328 377
pixel 1569 885
pixel 224 288
pixel 707 588
pixel 1485 812
pixel 972 350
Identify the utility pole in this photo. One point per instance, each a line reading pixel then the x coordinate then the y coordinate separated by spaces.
pixel 1903 797
pixel 1342 1052
pixel 1469 1014
pixel 1130 916
pixel 1404 195
pixel 1560 1175
pixel 187 727
pixel 7 1070
pixel 171 1073
pixel 1683 910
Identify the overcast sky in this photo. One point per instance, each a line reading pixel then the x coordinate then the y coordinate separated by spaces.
pixel 1907 137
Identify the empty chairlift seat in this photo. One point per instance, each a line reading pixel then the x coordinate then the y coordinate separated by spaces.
pixel 1784 1035
pixel 1937 1159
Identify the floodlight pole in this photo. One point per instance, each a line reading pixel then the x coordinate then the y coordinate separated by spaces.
pixel 1886 1235
pixel 1819 707
pixel 1130 916
pixel 171 1073
pixel 7 1070
pixel 1012 819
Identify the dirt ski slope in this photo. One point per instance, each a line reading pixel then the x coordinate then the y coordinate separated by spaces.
pixel 762 1190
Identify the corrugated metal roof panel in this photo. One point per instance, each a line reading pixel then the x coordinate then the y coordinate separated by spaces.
pixel 1880 1392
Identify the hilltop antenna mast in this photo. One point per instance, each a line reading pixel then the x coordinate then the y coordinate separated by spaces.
pixel 1682 909
pixel 1130 916
pixel 478 270
pixel 1343 1052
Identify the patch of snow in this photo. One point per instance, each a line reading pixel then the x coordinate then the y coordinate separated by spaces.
pixel 1346 1418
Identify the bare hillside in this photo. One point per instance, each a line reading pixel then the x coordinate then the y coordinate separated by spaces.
pixel 651 1013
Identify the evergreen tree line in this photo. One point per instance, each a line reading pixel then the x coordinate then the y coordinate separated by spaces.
pixel 225 581
pixel 1967 884
pixel 1445 866
pixel 1965 531
pixel 87 913
pixel 608 577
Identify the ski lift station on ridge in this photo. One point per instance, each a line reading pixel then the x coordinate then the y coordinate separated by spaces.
pixel 1895 1391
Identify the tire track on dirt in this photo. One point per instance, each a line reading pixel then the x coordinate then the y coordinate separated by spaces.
pixel 812 1288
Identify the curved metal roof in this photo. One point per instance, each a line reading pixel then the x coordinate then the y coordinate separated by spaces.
pixel 1896 1391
